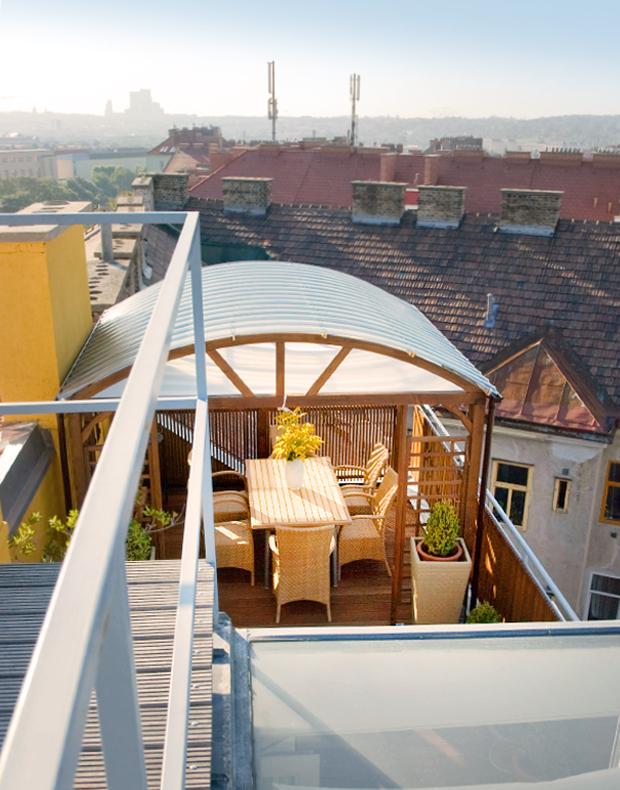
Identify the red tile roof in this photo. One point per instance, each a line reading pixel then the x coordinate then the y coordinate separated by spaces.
pixel 591 191
pixel 300 178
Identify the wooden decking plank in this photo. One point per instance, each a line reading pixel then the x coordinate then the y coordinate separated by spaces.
pixel 153 592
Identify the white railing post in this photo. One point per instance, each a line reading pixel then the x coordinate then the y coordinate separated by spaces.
pixel 117 694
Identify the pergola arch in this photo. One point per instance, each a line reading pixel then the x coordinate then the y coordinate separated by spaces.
pixel 268 312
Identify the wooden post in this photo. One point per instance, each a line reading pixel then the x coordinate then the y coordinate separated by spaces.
pixel 402 467
pixel 470 493
pixel 486 462
pixel 262 434
pixel 80 478
pixel 155 469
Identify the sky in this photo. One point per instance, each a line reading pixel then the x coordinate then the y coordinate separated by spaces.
pixel 416 58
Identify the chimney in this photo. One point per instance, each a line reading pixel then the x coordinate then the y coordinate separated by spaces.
pixel 530 211
pixel 378 202
pixel 387 167
pixel 440 207
pixel 247 195
pixel 431 169
pixel 143 188
pixel 170 191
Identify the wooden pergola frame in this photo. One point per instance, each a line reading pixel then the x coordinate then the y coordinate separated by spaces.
pixel 468 405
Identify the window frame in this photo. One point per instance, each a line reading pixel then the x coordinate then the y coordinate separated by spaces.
pixel 608 483
pixel 592 592
pixel 556 488
pixel 514 487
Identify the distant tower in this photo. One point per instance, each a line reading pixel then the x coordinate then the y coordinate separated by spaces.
pixel 272 104
pixel 354 92
pixel 108 108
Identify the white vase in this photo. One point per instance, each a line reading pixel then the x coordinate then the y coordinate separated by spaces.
pixel 294 472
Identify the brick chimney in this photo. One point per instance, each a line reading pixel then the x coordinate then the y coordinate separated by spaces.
pixel 530 211
pixel 431 169
pixel 440 207
pixel 247 195
pixel 170 191
pixel 378 202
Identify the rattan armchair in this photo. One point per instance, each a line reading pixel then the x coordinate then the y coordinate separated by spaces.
pixel 363 538
pixel 357 495
pixel 301 567
pixel 234 543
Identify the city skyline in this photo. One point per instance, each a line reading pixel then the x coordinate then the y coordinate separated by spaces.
pixel 475 59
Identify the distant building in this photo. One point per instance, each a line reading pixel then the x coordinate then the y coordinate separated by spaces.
pixel 28 162
pixel 141 105
pixel 187 150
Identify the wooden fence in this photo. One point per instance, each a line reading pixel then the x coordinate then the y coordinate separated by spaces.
pixel 505 582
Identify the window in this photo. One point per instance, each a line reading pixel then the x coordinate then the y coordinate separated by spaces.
pixel 560 495
pixel 610 510
pixel 604 597
pixel 511 488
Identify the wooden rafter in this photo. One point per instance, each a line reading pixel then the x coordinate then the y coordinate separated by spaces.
pixel 329 371
pixel 461 416
pixel 230 373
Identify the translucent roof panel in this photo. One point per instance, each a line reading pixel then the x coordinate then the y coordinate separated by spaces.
pixel 262 298
pixel 361 372
pixel 486 711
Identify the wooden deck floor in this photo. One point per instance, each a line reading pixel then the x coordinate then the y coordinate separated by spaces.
pixel 362 597
pixel 25 591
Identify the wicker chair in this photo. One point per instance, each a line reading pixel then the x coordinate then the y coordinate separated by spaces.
pixel 363 538
pixel 357 496
pixel 234 543
pixel 301 568
pixel 231 503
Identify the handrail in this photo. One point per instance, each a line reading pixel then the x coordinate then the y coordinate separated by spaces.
pixel 529 559
pixel 85 641
pixel 548 587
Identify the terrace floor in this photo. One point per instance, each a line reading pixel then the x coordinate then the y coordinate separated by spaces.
pixel 362 597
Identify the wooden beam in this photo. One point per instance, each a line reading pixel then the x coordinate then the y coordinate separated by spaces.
pixel 402 464
pixel 230 373
pixel 329 371
pixel 461 416
pixel 100 417
pixel 486 462
pixel 262 434
pixel 472 473
pixel 76 449
pixel 297 337
pixel 280 361
pixel 237 403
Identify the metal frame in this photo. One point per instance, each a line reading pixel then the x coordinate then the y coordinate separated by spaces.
pixel 85 642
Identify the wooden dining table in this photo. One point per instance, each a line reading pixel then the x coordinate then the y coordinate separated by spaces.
pixel 318 502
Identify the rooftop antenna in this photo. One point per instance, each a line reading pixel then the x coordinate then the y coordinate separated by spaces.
pixel 272 104
pixel 354 92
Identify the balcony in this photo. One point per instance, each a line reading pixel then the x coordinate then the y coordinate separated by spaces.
pixel 86 641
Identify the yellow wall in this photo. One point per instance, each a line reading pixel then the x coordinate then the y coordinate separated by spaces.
pixel 45 318
pixel 45 314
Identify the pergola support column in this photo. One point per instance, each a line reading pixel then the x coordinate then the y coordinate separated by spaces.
pixel 401 459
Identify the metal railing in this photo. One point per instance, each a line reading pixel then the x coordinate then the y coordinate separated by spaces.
pixel 512 535
pixel 86 642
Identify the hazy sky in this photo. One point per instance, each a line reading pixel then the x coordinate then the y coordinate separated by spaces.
pixel 416 57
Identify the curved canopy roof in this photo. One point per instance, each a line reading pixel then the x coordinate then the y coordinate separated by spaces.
pixel 262 301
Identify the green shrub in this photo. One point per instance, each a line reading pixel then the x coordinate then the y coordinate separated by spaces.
pixel 442 529
pixel 484 613
pixel 138 543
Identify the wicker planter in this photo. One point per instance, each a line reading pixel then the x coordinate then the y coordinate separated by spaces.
pixel 438 588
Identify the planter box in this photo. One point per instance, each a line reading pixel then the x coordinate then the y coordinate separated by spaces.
pixel 438 588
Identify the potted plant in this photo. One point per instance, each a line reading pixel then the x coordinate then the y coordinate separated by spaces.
pixel 484 613
pixel 296 442
pixel 440 567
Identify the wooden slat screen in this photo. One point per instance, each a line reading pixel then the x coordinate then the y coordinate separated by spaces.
pixel 348 433
pixel 505 582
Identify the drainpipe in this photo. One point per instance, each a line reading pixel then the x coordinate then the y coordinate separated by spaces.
pixel 482 495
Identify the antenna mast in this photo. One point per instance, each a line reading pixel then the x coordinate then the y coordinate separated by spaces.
pixel 272 104
pixel 354 92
